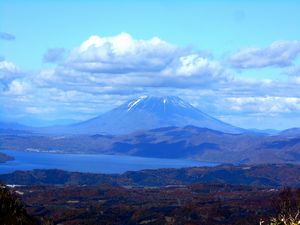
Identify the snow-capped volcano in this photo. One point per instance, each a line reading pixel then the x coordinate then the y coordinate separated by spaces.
pixel 157 103
pixel 148 112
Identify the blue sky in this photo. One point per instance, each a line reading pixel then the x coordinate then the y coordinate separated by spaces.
pixel 236 60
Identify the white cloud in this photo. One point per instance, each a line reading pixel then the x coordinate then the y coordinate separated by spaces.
pixel 266 104
pixel 18 87
pixel 135 65
pixel 279 54
pixel 8 67
pixel 103 72
pixel 121 54
pixel 194 65
pixel 8 70
pixel 39 110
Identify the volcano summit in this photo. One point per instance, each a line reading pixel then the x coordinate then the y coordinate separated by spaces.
pixel 148 112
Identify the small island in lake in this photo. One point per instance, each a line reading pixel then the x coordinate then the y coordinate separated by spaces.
pixel 4 158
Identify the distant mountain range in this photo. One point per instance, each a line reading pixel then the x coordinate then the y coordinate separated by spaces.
pixel 189 142
pixel 159 127
pixel 143 113
pixel 291 132
pixel 270 175
pixel 13 126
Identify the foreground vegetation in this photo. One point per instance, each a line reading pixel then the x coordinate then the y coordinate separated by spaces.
pixel 195 204
pixel 227 195
pixel 12 211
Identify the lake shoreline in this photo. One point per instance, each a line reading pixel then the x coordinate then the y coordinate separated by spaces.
pixel 4 158
pixel 90 163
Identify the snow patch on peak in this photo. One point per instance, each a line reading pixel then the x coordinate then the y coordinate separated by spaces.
pixel 164 101
pixel 176 101
pixel 133 103
pixel 143 96
pixel 183 104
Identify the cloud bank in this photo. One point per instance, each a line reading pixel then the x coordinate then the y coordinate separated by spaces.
pixel 121 54
pixel 278 54
pixel 103 72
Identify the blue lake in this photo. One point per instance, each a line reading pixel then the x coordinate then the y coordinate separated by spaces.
pixel 89 162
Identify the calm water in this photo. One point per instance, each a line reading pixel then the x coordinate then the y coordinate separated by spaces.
pixel 89 162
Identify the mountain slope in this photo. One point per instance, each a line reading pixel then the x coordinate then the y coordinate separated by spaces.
pixel 170 142
pixel 291 132
pixel 14 128
pixel 151 112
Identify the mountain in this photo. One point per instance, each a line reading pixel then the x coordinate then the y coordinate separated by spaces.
pixel 14 128
pixel 291 132
pixel 264 131
pixel 270 175
pixel 188 142
pixel 148 112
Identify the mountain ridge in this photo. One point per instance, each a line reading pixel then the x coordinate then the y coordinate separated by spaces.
pixel 150 112
pixel 201 144
pixel 141 114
